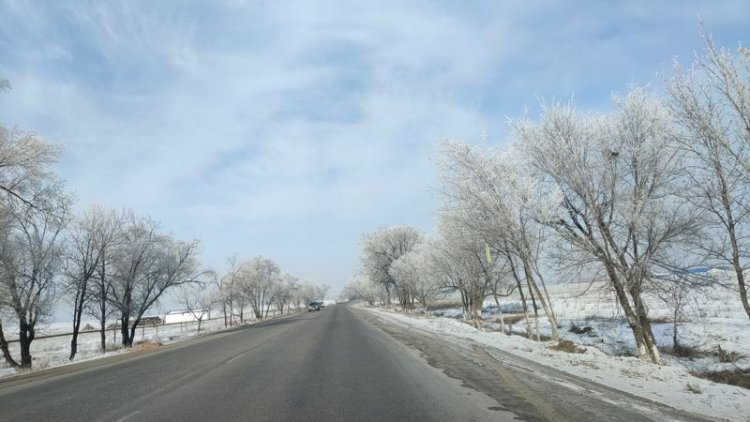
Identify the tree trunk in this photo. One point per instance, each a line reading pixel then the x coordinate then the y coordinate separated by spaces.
pixel 536 311
pixel 127 341
pixel 232 315
pixel 546 304
pixel 103 335
pixel 132 330
pixel 743 293
pixel 81 297
pixel 465 302
pixel 25 337
pixel 476 311
pixel 73 345
pixel 4 347
pixel 517 277
pixel 675 345
pixel 102 298
pixel 738 270
pixel 499 312
pixel 547 309
pixel 493 286
pixel 76 327
pixel 525 310
pixel 637 318
pixel 423 302
pixel 265 316
pixel 732 231
pixel 648 340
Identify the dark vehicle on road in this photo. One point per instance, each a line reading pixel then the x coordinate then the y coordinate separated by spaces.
pixel 313 306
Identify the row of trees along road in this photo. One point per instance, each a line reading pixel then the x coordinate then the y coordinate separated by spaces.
pixel 108 264
pixel 633 197
pixel 258 282
pixel 118 264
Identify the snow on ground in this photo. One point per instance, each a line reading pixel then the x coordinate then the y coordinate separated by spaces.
pixel 54 351
pixel 667 384
pixel 712 317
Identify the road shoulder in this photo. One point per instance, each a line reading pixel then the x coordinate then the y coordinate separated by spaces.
pixel 518 382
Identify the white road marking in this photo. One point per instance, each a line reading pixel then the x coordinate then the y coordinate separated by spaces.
pixel 128 416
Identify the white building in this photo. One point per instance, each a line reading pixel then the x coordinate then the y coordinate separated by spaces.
pixel 185 316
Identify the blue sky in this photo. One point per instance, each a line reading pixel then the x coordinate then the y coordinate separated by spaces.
pixel 292 128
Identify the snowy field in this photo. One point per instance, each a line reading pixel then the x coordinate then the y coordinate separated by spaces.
pixel 712 318
pixel 54 351
pixel 672 385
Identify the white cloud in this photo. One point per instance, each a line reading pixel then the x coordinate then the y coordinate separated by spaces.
pixel 288 128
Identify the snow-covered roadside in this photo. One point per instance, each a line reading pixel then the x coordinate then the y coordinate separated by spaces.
pixel 670 385
pixel 713 318
pixel 53 352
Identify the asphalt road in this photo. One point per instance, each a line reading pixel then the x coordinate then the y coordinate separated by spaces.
pixel 319 366
pixel 340 364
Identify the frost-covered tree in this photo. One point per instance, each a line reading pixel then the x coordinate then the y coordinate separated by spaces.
pixel 381 249
pixel 108 230
pixel 617 178
pixel 360 287
pixel 25 173
pixel 413 277
pixel 197 299
pixel 284 295
pixel 147 264
pixel 258 278
pixel 304 295
pixel 31 256
pixel 489 194
pixel 458 260
pixel 33 211
pixel 677 290
pixel 711 104
pixel 231 294
pixel 90 235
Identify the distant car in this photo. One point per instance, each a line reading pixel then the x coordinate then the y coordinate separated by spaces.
pixel 313 306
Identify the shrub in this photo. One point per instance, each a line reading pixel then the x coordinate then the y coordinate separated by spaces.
pixel 728 357
pixel 578 330
pixel 682 351
pixel 738 377
pixel 568 347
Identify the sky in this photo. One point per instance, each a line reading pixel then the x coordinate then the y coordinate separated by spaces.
pixel 290 129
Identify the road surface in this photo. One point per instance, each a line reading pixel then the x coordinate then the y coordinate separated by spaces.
pixel 339 364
